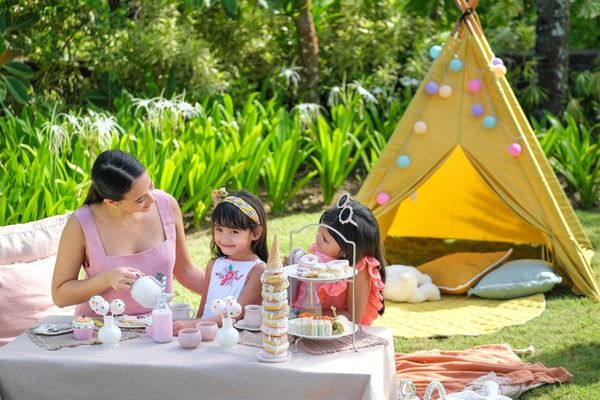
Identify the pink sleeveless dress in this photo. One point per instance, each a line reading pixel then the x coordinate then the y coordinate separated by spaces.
pixel 158 258
pixel 335 293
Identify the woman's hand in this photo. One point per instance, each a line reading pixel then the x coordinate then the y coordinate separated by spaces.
pixel 121 278
pixel 182 324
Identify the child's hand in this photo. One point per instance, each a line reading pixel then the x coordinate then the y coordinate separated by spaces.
pixel 182 324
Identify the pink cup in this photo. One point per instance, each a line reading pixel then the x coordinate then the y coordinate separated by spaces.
pixel 83 334
pixel 189 338
pixel 208 329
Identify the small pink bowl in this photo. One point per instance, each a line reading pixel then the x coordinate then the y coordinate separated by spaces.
pixel 83 334
pixel 149 331
pixel 189 338
pixel 208 329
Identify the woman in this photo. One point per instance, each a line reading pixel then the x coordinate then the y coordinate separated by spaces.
pixel 125 229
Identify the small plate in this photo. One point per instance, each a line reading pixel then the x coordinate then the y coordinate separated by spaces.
pixel 290 270
pixel 44 329
pixel 261 356
pixel 121 323
pixel 242 325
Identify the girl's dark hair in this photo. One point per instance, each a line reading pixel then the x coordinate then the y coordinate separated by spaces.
pixel 113 174
pixel 366 235
pixel 230 216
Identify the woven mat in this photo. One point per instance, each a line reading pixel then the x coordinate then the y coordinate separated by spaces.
pixel 56 342
pixel 318 347
pixel 459 315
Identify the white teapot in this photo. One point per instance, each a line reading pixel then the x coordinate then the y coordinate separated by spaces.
pixel 146 290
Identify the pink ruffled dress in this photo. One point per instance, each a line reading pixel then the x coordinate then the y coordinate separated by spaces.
pixel 335 293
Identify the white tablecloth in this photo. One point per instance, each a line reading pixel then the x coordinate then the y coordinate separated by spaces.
pixel 141 369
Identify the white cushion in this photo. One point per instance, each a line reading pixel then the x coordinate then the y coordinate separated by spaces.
pixel 23 243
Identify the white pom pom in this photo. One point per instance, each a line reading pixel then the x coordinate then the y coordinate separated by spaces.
pixel 218 306
pixel 95 300
pixel 102 308
pixel 233 310
pixel 117 307
pixel 230 300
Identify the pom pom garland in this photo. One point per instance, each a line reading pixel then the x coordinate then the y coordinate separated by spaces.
pixel 382 198
pixel 434 51
pixel 420 127
pixel 445 91
pixel 431 88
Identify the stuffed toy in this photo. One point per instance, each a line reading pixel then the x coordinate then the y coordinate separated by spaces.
pixel 406 284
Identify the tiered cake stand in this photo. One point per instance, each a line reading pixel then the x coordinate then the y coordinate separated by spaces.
pixel 291 273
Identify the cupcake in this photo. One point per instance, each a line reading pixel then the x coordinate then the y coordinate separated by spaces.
pixel 83 328
pixel 148 323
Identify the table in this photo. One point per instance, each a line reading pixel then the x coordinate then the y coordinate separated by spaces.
pixel 141 369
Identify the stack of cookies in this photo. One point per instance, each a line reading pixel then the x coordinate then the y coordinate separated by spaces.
pixel 275 306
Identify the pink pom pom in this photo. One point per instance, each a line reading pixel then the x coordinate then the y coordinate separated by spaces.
pixel 382 198
pixel 514 149
pixel 474 85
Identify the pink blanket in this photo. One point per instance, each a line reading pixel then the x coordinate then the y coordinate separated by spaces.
pixel 457 369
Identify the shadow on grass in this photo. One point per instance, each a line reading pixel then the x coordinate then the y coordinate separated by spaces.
pixel 579 359
pixel 416 251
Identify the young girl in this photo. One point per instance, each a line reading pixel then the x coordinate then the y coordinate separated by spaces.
pixel 239 231
pixel 357 224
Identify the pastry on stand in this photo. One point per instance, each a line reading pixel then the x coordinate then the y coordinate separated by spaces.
pixel 275 309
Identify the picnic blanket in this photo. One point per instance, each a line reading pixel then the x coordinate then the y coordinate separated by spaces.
pixel 468 369
pixel 459 315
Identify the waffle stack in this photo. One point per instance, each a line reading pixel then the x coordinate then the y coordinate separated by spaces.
pixel 275 306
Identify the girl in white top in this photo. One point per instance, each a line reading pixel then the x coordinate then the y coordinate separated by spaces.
pixel 239 232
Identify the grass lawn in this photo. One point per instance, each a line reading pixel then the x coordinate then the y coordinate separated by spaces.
pixel 567 333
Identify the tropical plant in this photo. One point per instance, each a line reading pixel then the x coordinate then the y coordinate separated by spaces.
pixel 15 74
pixel 289 150
pixel 575 154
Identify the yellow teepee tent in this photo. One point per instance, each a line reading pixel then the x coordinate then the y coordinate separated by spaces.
pixel 464 163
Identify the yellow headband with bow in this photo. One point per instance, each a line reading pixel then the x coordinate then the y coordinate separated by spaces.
pixel 220 195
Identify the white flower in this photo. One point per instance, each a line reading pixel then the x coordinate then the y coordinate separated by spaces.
pixel 187 110
pixel 308 112
pixel 408 81
pixel 334 96
pixel 58 137
pixel 364 93
pixel 292 75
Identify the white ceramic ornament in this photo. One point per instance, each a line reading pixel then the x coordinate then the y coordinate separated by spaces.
pixel 95 301
pixel 230 300
pixel 234 310
pixel 103 308
pixel 218 306
pixel 117 307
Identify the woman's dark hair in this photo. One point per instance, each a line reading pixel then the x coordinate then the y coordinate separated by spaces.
pixel 365 235
pixel 230 216
pixel 113 174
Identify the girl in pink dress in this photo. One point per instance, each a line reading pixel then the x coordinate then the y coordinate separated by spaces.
pixel 239 232
pixel 357 223
pixel 125 229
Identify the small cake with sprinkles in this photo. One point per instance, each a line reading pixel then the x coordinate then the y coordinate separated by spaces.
pixel 275 306
pixel 83 328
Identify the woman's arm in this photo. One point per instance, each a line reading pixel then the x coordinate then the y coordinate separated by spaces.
pixel 184 270
pixel 67 289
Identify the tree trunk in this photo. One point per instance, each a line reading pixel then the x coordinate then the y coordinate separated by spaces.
pixel 308 52
pixel 552 52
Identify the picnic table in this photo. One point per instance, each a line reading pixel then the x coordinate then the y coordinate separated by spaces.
pixel 140 368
